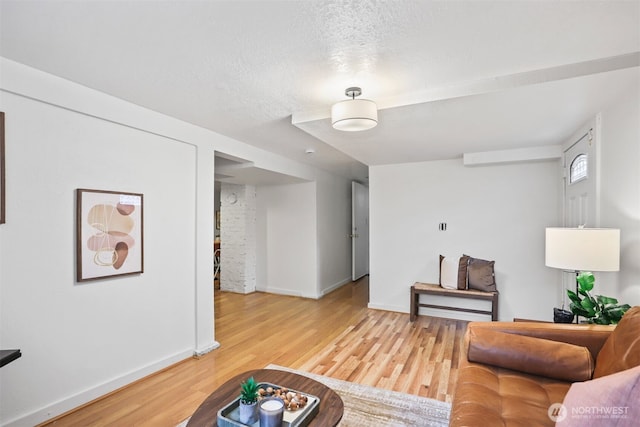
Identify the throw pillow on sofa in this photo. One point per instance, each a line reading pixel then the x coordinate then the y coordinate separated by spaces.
pixel 610 400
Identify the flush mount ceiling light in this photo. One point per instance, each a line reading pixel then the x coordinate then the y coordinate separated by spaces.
pixel 354 114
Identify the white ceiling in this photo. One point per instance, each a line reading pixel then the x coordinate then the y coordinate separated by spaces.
pixel 235 170
pixel 449 77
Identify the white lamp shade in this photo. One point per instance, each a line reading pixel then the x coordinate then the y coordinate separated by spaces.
pixel 583 249
pixel 354 115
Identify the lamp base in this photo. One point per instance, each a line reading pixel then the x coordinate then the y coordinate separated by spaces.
pixel 562 316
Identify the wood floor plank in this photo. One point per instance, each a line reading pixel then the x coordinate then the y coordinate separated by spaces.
pixel 337 336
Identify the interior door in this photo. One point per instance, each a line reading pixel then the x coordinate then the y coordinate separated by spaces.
pixel 580 177
pixel 580 185
pixel 359 230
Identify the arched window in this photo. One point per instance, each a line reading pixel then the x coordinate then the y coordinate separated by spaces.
pixel 578 169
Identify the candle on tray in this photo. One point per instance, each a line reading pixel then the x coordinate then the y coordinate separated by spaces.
pixel 271 412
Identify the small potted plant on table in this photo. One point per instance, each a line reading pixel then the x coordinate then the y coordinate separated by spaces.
pixel 248 405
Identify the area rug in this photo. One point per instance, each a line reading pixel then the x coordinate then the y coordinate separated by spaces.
pixel 371 406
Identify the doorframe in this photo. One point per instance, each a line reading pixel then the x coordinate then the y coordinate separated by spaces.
pixel 594 128
pixel 355 233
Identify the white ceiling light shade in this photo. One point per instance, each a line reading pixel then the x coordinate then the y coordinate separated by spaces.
pixel 354 114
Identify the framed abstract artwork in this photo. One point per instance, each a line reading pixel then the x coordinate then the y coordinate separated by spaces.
pixel 109 234
pixel 2 186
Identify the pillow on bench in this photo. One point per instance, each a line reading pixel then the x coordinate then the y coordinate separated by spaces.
pixel 537 356
pixel 480 275
pixel 453 272
pixel 466 272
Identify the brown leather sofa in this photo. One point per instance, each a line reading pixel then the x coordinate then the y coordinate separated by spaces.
pixel 511 373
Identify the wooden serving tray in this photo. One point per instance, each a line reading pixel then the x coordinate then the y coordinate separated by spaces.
pixel 229 415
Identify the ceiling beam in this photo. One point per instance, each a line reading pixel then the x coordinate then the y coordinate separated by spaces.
pixel 493 84
pixel 530 154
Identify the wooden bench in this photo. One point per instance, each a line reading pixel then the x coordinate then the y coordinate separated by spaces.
pixel 432 289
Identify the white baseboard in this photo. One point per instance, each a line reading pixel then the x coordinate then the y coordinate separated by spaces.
pixel 396 308
pixel 289 292
pixel 335 286
pixel 280 291
pixel 69 403
pixel 293 293
pixel 208 349
pixel 447 314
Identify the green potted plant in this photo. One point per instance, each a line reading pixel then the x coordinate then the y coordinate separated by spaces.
pixel 599 309
pixel 248 402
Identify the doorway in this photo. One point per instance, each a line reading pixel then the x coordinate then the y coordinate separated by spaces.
pixel 359 230
pixel 216 237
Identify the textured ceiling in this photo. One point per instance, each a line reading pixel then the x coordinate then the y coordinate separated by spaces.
pixel 449 77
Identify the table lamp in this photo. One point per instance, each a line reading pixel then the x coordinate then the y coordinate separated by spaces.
pixel 582 249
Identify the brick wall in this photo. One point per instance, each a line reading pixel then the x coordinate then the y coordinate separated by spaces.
pixel 238 238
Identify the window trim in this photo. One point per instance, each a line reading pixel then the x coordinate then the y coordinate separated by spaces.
pixel 577 166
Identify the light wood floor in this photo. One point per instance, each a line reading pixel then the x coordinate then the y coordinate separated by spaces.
pixel 336 336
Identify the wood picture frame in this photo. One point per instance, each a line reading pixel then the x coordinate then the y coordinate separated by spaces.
pixel 109 229
pixel 2 172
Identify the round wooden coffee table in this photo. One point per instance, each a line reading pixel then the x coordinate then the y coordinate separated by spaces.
pixel 330 410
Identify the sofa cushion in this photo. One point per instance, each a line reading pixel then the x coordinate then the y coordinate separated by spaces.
pixel 531 355
pixel 490 396
pixel 591 336
pixel 621 351
pixel 612 399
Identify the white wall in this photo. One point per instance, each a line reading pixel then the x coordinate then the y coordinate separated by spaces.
pixel 620 194
pixel 334 227
pixel 287 239
pixel 302 236
pixel 77 336
pixel 82 341
pixel 495 212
